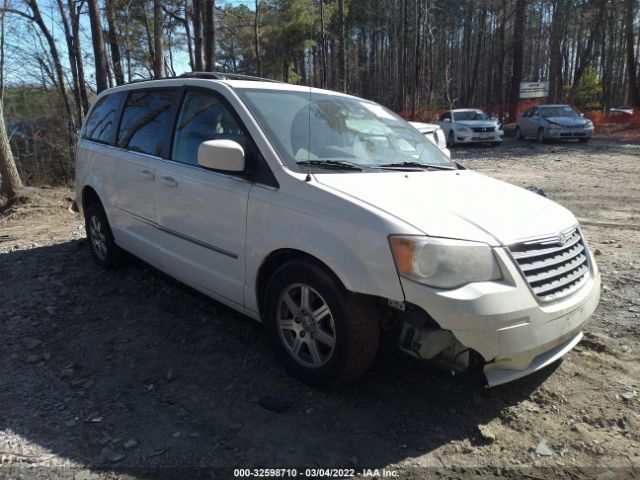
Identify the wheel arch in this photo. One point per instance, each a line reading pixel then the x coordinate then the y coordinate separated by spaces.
pixel 89 197
pixel 279 257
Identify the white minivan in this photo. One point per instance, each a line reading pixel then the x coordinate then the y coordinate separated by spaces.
pixel 334 222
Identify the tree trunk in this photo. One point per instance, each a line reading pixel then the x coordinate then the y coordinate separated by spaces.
pixel 632 79
pixel 75 29
pixel 197 34
pixel 158 44
pixel 256 34
pixel 342 60
pixel 11 182
pixel 323 46
pixel 98 45
pixel 518 49
pixel 114 45
pixel 209 35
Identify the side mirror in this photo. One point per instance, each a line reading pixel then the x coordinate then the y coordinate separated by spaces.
pixel 582 114
pixel 225 155
pixel 448 120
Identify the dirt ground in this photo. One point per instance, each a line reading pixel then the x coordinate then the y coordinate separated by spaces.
pixel 129 374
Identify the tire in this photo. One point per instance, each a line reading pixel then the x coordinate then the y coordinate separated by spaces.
pixel 451 141
pixel 103 248
pixel 350 321
pixel 540 136
pixel 519 135
pixel 584 140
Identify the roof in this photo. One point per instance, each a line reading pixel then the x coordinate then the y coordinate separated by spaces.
pixel 231 80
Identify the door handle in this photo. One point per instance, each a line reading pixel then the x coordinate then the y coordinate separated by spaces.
pixel 148 175
pixel 169 182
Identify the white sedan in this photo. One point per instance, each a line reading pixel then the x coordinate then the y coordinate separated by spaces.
pixel 468 125
pixel 435 134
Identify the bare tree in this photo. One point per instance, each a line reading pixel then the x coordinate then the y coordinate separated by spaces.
pixel 197 34
pixel 342 56
pixel 517 55
pixel 98 45
pixel 632 80
pixel 114 45
pixel 158 56
pixel 9 177
pixel 256 32
pixel 209 35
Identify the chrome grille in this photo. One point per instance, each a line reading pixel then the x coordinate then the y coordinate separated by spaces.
pixel 554 269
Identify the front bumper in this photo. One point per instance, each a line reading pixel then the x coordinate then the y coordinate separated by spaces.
pixel 570 132
pixel 474 137
pixel 505 323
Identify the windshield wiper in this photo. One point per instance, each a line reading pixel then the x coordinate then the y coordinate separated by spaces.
pixel 331 164
pixel 422 166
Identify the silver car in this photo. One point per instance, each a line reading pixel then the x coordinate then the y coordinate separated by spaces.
pixel 545 122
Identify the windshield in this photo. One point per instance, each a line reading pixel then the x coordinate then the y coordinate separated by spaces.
pixel 311 128
pixel 558 112
pixel 469 115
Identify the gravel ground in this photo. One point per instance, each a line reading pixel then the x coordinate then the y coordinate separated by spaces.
pixel 129 374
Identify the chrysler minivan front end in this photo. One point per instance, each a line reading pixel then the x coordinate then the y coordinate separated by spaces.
pixel 519 306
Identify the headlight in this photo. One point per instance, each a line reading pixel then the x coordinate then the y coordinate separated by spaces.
pixel 462 128
pixel 555 126
pixel 442 262
pixel 589 124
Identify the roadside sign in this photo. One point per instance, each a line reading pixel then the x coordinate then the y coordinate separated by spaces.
pixel 534 89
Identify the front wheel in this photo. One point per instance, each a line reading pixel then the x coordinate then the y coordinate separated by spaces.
pixel 541 138
pixel 519 135
pixel 584 140
pixel 322 334
pixel 451 141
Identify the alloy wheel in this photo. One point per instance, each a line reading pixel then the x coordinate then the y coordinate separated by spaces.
pixel 98 238
pixel 306 325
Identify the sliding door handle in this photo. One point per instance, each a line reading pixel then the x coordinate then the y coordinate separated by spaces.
pixel 148 175
pixel 169 182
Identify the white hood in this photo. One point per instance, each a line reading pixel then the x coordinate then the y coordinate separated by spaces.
pixel 456 204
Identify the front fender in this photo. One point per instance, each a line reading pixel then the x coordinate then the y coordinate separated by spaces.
pixel 358 255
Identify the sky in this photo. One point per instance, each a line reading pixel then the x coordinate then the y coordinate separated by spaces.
pixel 23 43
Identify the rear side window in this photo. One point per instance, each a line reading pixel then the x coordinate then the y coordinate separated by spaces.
pixel 146 120
pixel 203 117
pixel 100 125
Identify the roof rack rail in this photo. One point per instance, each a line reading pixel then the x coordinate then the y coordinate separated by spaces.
pixel 225 76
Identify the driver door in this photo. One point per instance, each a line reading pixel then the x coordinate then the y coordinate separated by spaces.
pixel 202 212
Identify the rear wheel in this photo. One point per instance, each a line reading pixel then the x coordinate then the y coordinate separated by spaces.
pixel 322 334
pixel 105 252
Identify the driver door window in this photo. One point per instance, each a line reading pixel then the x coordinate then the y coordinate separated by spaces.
pixel 203 117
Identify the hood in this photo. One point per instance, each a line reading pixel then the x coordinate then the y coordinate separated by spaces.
pixel 456 204
pixel 568 121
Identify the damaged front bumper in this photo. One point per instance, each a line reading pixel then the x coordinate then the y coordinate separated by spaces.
pixel 501 321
